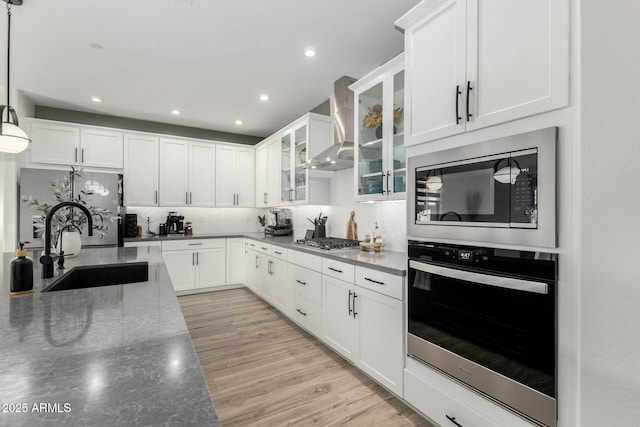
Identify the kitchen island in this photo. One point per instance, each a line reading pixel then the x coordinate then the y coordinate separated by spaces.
pixel 112 355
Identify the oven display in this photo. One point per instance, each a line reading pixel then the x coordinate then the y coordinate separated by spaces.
pixel 465 255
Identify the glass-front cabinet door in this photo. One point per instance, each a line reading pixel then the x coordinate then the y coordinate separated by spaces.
pixel 371 174
pixel 286 187
pixel 379 113
pixel 300 157
pixel 396 154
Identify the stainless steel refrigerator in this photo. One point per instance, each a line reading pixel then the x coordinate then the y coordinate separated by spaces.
pixel 106 189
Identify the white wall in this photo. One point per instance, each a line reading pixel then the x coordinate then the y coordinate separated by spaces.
pixel 9 167
pixel 609 230
pixel 205 220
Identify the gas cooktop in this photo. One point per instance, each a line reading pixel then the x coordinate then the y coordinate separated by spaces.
pixel 329 243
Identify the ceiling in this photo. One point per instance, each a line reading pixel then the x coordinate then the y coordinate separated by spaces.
pixel 210 59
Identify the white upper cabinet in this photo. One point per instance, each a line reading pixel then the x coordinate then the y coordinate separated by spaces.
pixel 140 170
pixel 380 158
pixel 101 148
pixel 268 173
pixel 202 176
pixel 174 172
pixel 55 143
pixel 187 173
pixel 476 63
pixel 283 178
pixel 235 176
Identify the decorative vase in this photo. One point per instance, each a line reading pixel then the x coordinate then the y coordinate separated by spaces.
pixel 379 132
pixel 71 243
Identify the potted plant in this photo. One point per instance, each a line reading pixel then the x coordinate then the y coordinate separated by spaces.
pixel 373 119
pixel 67 223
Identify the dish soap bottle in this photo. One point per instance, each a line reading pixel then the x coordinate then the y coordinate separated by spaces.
pixel 377 234
pixel 21 272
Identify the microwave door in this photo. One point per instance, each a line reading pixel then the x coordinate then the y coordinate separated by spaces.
pixel 464 193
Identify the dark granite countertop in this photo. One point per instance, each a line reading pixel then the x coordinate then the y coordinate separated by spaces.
pixel 387 261
pixel 113 355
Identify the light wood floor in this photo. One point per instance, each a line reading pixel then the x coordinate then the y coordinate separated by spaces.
pixel 263 370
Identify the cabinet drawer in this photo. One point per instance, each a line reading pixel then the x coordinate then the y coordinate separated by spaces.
pixel 312 262
pixel 262 248
pixel 194 244
pixel 143 244
pixel 278 252
pixel 339 270
pixel 438 398
pixel 306 283
pixel 305 313
pixel 379 281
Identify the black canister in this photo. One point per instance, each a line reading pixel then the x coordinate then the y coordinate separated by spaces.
pixel 21 272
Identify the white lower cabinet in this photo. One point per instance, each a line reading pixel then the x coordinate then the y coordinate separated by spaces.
pixel 306 313
pixel 366 328
pixel 236 269
pixel 194 264
pixel 277 270
pixel 339 321
pixel 448 403
pixel 380 338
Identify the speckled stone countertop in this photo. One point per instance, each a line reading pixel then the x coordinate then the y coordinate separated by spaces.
pixel 387 261
pixel 113 355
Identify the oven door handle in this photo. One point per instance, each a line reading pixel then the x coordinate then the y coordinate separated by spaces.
pixel 485 279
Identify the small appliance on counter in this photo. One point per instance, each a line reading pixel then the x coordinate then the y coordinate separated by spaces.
pixel 281 223
pixel 131 225
pixel 175 223
pixel 188 230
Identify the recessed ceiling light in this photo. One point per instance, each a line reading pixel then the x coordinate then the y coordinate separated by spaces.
pixel 96 46
pixel 264 97
pixel 238 122
pixel 313 167
pixel 96 99
pixel 309 52
pixel 175 112
pixel 333 162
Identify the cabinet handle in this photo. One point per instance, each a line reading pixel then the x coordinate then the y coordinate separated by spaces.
pixel 388 175
pixel 276 252
pixel 195 244
pixel 252 244
pixel 264 249
pixel 197 258
pixel 76 151
pixel 469 89
pixel 257 266
pixel 190 198
pixel 301 282
pixel 156 196
pixel 349 303
pixel 186 197
pixel 334 269
pixel 265 198
pixel 301 312
pixel 373 281
pixel 245 248
pixel 381 181
pixel 355 313
pixel 453 420
pixel 269 268
pixel 82 155
pixel 193 258
pixel 458 93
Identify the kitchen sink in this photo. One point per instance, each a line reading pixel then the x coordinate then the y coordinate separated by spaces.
pixel 93 276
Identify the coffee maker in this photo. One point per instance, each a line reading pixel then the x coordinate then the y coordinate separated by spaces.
pixel 175 223
pixel 281 223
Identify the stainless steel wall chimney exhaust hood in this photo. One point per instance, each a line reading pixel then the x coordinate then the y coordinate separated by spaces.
pixel 340 155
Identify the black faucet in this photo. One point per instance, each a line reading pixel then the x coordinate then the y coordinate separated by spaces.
pixel 47 260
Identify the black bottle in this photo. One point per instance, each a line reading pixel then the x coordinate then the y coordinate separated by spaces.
pixel 21 272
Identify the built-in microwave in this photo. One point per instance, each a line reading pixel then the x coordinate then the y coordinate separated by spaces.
pixel 498 191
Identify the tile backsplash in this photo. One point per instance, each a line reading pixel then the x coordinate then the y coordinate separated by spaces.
pixel 391 216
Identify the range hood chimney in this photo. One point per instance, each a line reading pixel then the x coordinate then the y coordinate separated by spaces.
pixel 340 155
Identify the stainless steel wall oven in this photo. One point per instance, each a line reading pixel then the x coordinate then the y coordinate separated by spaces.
pixel 498 191
pixel 488 318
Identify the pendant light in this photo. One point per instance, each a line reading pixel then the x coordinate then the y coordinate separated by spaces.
pixel 507 174
pixel 12 138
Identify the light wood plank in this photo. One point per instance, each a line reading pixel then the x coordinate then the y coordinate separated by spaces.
pixel 263 370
